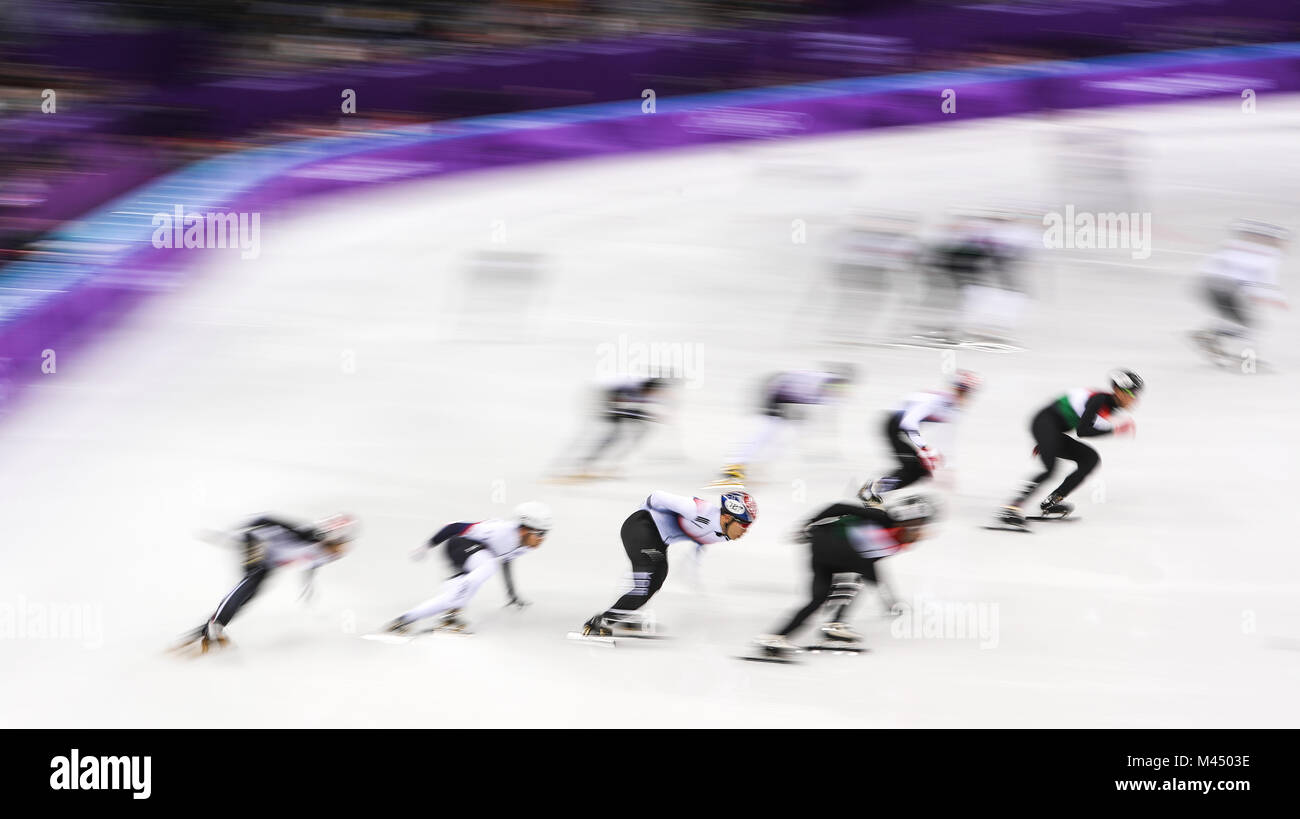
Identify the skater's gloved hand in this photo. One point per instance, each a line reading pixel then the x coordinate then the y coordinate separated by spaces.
pixel 931 458
pixel 1126 426
pixel 517 602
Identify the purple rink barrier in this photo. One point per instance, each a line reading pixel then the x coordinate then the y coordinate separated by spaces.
pixel 60 308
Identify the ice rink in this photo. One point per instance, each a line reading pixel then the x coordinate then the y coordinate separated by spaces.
pixel 366 362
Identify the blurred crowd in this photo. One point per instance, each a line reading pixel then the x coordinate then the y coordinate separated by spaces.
pixel 131 75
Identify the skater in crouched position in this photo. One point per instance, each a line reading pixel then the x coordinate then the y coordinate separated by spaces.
pixel 647 533
pixel 476 551
pixel 848 538
pixel 1087 413
pixel 918 458
pixel 627 407
pixel 269 543
pixel 784 400
pixel 1237 279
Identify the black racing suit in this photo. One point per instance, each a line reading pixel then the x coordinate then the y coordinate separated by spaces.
pixel 625 411
pixel 256 567
pixel 833 552
pixel 1051 428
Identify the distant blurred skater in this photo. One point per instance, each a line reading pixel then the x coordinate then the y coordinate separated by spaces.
pixel 626 407
pixel 476 551
pixel 873 251
pixel 269 543
pixel 783 399
pixel 1240 275
pixel 665 519
pixel 849 538
pixel 918 458
pixel 1088 413
pixel 976 279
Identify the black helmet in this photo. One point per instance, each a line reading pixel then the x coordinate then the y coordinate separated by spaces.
pixel 1126 380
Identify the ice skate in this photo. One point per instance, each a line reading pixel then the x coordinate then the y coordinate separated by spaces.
pixel 870 495
pixel 597 626
pixel 732 475
pixel 400 626
pixel 840 633
pixel 1211 344
pixel 772 648
pixel 1010 518
pixel 220 641
pixel 452 623
pixel 1055 507
pixel 204 638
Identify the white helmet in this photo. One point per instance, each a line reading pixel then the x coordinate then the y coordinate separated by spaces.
pixel 917 509
pixel 534 515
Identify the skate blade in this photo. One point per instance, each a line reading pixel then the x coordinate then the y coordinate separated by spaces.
pixel 832 648
pixel 632 634
pixel 577 636
pixel 1051 517
pixel 991 347
pixel 392 639
pixel 389 639
pixel 767 658
pixel 1002 527
pixel 195 648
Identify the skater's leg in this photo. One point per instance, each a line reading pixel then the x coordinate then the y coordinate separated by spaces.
pixel 844 591
pixel 238 596
pixel 910 467
pixel 459 590
pixel 1087 459
pixel 1051 443
pixel 821 592
pixel 1231 307
pixel 649 557
pixel 765 431
pixel 613 427
pixel 632 431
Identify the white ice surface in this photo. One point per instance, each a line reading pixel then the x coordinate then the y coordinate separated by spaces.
pixel 1173 602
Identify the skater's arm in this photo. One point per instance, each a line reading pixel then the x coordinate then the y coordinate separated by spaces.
pixel 448 532
pixel 508 577
pixel 676 504
pixel 854 510
pixel 1096 418
pixel 304 531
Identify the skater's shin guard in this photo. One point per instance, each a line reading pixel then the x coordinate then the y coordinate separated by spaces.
pixel 843 592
